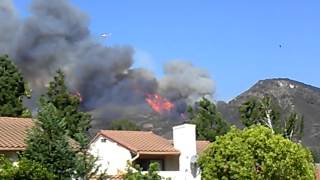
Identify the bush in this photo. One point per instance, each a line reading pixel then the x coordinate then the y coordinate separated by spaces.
pixel 256 153
pixel 136 173
pixel 26 169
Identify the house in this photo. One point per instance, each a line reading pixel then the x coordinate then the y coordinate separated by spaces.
pixel 114 148
pixel 13 132
pixel 177 157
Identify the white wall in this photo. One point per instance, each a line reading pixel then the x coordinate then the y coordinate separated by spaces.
pixel 184 140
pixel 111 156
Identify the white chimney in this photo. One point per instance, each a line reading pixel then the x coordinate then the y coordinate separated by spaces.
pixel 184 140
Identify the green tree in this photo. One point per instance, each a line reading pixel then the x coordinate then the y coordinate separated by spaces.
pixel 209 122
pixel 77 123
pixel 75 126
pixel 12 90
pixel 260 111
pixel 26 169
pixel 265 112
pixel 293 127
pixel 124 125
pixel 68 106
pixel 256 153
pixel 48 143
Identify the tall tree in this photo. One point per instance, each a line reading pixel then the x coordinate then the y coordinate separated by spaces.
pixel 260 111
pixel 67 105
pixel 293 127
pixel 48 143
pixel 209 122
pixel 265 112
pixel 76 123
pixel 12 90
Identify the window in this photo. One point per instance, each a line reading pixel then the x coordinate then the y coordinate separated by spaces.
pixel 144 163
pixel 103 140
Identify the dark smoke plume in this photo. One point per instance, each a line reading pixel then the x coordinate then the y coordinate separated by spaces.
pixel 56 35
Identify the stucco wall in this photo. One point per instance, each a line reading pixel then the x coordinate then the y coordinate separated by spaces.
pixel 111 156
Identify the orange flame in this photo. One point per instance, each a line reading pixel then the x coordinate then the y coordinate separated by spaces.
pixel 159 104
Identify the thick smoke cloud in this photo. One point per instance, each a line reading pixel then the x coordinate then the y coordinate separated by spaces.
pixel 9 24
pixel 183 80
pixel 56 35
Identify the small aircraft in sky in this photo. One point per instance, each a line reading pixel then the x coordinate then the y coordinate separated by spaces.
pixel 106 35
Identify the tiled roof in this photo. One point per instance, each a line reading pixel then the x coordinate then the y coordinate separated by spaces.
pixel 141 141
pixel 13 132
pixel 201 146
pixel 317 166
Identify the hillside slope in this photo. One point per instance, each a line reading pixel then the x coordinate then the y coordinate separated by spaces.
pixel 290 95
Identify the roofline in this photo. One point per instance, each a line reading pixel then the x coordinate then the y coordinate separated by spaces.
pixel 12 149
pixel 95 137
pixel 101 134
pixel 158 153
pixel 11 117
pixel 134 150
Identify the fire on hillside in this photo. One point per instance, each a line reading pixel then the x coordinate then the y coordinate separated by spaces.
pixel 158 103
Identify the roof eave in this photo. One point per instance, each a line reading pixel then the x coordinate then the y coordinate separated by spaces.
pixel 12 149
pixel 158 153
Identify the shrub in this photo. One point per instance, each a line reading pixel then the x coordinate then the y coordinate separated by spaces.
pixel 256 153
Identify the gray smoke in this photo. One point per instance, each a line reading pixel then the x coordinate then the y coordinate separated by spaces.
pixel 183 80
pixel 9 24
pixel 184 84
pixel 56 35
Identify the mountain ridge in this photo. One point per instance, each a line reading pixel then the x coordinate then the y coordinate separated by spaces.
pixel 290 95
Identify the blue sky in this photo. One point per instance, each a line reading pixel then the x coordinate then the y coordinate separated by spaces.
pixel 237 42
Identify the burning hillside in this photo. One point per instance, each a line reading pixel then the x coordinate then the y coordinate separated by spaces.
pixel 158 103
pixel 56 35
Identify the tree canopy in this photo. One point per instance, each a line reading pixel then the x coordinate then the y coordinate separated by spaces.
pixel 26 170
pixel 67 105
pixel 48 143
pixel 260 111
pixel 266 112
pixel 209 122
pixel 61 124
pixel 255 153
pixel 12 90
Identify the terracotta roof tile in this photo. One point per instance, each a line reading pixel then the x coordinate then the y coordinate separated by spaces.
pixel 201 146
pixel 13 132
pixel 317 171
pixel 141 141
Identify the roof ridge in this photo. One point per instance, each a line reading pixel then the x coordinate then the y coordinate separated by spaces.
pixel 102 130
pixel 5 117
pixel 140 141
